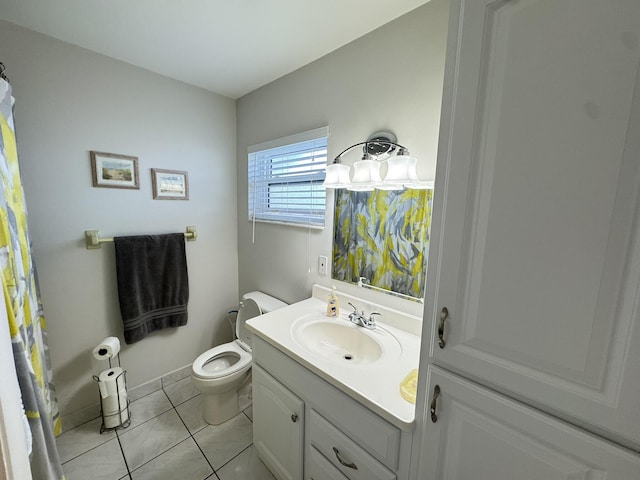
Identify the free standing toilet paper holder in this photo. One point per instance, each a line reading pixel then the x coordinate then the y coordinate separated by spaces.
pixel 123 413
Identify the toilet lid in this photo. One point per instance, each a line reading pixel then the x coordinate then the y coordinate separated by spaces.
pixel 248 309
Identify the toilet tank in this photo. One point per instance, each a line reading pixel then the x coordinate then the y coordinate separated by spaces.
pixel 254 304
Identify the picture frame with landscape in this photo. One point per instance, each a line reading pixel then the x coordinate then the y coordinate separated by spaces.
pixel 169 184
pixel 110 170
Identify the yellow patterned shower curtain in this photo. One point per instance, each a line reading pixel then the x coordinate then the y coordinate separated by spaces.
pixel 383 236
pixel 26 321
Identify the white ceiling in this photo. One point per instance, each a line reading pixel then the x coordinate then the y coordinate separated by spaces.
pixel 229 47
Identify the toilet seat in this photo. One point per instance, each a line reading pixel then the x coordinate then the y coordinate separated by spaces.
pixel 232 349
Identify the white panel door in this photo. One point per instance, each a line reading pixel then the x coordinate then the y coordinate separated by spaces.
pixel 278 426
pixel 535 241
pixel 482 435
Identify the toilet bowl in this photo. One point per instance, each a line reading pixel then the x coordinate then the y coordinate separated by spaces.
pixel 222 373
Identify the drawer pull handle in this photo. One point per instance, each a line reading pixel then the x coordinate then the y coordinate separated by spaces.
pixel 294 417
pixel 434 403
pixel 342 461
pixel 444 314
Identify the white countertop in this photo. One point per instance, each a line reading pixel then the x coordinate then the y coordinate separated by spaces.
pixel 376 385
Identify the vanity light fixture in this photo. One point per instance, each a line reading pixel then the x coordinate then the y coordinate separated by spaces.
pixel 379 147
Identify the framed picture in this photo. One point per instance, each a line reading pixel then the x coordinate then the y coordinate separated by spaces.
pixel 114 171
pixel 169 184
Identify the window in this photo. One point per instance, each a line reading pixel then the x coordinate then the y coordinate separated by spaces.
pixel 285 179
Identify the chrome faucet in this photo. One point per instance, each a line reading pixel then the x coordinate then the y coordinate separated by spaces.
pixel 360 318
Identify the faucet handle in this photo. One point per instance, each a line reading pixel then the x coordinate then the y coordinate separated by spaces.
pixel 354 314
pixel 370 322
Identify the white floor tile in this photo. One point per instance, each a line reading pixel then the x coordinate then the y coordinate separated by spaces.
pixel 148 407
pixel 158 446
pixel 81 439
pixel 103 462
pixel 152 438
pixel 184 461
pixel 246 466
pixel 221 443
pixel 144 389
pixel 181 391
pixel 80 416
pixel 191 414
pixel 249 413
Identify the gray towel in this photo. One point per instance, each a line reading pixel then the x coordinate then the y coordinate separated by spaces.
pixel 153 285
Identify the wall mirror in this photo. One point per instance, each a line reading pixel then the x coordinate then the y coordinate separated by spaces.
pixel 381 239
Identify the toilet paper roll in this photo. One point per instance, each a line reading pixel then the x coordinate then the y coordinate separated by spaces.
pixel 111 381
pixel 113 403
pixel 108 348
pixel 117 419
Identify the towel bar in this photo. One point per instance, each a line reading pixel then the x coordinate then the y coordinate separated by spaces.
pixel 92 237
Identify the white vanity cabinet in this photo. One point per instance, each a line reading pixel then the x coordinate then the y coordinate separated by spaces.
pixel 278 423
pixel 342 438
pixel 534 270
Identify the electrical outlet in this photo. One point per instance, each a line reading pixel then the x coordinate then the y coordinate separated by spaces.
pixel 322 265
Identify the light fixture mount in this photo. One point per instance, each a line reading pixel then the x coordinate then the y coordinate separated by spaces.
pixel 380 143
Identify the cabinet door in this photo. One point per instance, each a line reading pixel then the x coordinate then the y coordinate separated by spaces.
pixel 535 251
pixel 482 435
pixel 278 425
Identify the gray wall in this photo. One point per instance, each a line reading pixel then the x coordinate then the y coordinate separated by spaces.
pixel 70 101
pixel 390 79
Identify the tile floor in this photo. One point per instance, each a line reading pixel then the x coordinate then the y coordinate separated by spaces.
pixel 167 439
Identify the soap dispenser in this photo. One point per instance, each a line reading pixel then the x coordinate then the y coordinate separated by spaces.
pixel 333 308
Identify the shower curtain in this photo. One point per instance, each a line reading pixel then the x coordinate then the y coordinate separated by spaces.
pixel 24 310
pixel 383 236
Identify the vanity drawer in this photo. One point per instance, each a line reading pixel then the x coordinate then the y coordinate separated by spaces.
pixel 375 435
pixel 319 468
pixel 346 455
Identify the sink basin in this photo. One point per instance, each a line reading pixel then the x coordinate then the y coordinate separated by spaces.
pixel 339 340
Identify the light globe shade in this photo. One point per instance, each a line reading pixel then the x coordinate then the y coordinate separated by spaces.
pixel 420 185
pixel 337 176
pixel 366 176
pixel 400 171
pixel 403 170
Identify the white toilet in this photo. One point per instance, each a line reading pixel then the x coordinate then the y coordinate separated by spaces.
pixel 223 371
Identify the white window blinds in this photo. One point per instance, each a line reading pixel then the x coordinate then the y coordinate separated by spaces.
pixel 285 179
